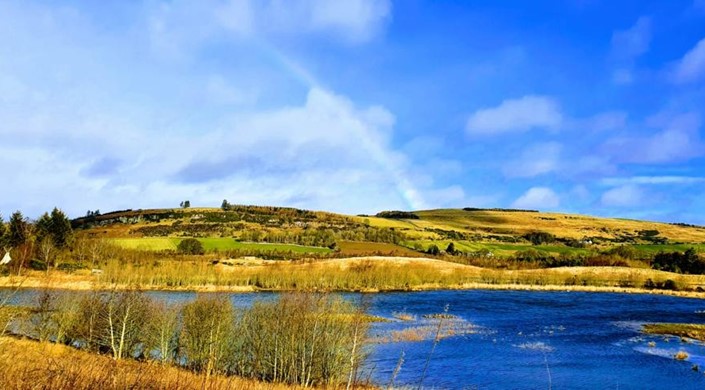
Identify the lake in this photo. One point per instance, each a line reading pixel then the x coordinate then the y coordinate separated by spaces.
pixel 523 339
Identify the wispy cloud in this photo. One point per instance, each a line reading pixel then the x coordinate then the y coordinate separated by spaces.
pixel 541 198
pixel 678 140
pixel 628 195
pixel 691 67
pixel 627 46
pixel 516 115
pixel 655 180
pixel 535 160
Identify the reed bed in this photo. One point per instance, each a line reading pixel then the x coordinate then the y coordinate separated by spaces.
pixel 381 275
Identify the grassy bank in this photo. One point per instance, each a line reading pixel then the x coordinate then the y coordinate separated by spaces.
pixel 693 331
pixel 309 340
pixel 27 364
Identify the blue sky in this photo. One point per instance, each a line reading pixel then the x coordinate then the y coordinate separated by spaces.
pixel 354 106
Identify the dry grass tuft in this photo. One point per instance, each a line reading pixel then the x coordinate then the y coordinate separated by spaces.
pixel 681 355
pixel 429 332
pixel 403 316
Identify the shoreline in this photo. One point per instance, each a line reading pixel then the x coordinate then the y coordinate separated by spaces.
pixel 81 284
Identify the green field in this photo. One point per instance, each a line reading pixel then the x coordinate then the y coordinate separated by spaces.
pixel 500 249
pixel 213 244
pixel 653 249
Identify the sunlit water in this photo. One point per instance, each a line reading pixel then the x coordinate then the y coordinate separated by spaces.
pixel 525 340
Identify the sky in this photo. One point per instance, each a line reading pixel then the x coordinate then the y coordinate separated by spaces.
pixel 354 106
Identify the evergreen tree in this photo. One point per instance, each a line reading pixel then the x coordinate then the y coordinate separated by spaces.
pixel 43 227
pixel 61 231
pixel 3 233
pixel 19 230
pixel 450 249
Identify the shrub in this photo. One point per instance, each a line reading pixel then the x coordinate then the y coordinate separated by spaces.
pixel 190 246
pixel 539 238
pixel 670 284
pixel 687 262
pixel 207 329
pixel 649 284
pixel 433 250
pixel 37 265
pixel 302 339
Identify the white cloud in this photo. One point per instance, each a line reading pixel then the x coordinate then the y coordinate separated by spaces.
pixel 325 154
pixel 178 26
pixel 357 20
pixel 678 140
pixel 535 160
pixel 537 198
pixel 691 67
pixel 516 115
pixel 581 192
pixel 627 46
pixel 628 195
pixel 130 131
pixel 607 121
pixel 219 91
pixel 634 41
pixel 655 180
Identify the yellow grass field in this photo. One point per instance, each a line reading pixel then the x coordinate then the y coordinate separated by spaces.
pixel 357 274
pixel 562 225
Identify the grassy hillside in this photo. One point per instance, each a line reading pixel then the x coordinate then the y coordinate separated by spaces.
pixel 508 224
pixel 288 230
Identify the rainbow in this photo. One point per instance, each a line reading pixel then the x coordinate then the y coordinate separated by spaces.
pixel 403 186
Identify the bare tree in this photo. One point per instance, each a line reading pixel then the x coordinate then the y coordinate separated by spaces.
pixel 46 252
pixel 125 317
pixel 162 333
pixel 205 336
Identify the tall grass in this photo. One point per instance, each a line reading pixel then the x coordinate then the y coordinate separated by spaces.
pixel 365 275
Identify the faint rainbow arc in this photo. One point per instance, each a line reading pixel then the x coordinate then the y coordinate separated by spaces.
pixel 404 186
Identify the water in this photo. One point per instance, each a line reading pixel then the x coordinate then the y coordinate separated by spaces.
pixel 527 340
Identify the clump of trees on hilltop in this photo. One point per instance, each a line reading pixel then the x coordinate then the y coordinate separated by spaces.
pixel 397 215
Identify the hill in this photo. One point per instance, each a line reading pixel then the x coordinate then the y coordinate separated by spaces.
pixel 500 231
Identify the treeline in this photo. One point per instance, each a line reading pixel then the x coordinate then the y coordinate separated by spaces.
pixel 302 339
pixel 320 237
pixel 395 214
pixel 263 215
pixel 42 241
pixel 183 229
pixel 681 224
pixel 326 237
pixel 500 209
pixel 687 262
